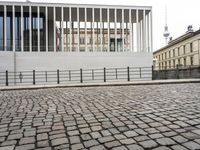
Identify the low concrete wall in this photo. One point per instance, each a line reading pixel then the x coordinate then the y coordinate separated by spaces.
pixel 22 61
pixel 177 73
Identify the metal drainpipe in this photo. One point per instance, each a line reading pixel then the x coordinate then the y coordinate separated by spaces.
pixel 15 68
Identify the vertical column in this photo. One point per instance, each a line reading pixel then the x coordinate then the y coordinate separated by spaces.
pixel 22 29
pixel 116 30
pixel 70 29
pixel 101 41
pixel 151 28
pixel 144 31
pixel 30 29
pixel 86 29
pixel 138 30
pixel 78 28
pixel 62 35
pixel 46 24
pixel 93 41
pixel 38 27
pixel 5 29
pixel 130 31
pixel 123 30
pixel 13 26
pixel 148 33
pixel 108 28
pixel 54 28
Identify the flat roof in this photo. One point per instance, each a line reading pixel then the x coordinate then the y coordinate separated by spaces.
pixel 73 5
pixel 181 38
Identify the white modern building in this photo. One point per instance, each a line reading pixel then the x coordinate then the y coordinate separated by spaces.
pixel 49 36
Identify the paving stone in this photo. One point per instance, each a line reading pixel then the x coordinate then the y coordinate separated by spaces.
pixel 178 147
pixel 77 146
pixel 59 141
pixel 90 143
pixel 192 145
pixel 25 147
pixel 106 139
pixel 162 148
pixel 44 143
pixel 7 147
pixel 165 141
pixel 148 144
pixel 134 147
pixel 42 136
pixel 98 147
pixel 112 144
pixel 130 133
pixel 27 140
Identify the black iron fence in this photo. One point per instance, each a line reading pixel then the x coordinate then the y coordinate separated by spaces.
pixel 75 76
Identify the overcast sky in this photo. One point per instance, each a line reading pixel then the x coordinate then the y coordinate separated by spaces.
pixel 180 14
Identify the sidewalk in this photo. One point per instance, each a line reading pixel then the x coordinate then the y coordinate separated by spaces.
pixel 147 82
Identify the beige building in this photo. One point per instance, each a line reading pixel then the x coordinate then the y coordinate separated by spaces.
pixel 183 51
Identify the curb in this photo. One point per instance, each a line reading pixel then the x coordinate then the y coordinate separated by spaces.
pixel 154 82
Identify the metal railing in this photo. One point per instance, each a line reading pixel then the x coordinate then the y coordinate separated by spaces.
pixel 75 76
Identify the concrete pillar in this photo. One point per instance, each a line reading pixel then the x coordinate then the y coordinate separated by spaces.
pixel 86 30
pixel 22 30
pixel 62 35
pixel 38 27
pixel 123 30
pixel 46 25
pixel 13 27
pixel 30 29
pixel 108 21
pixel 54 28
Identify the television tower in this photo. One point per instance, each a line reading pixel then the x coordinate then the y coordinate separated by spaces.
pixel 166 32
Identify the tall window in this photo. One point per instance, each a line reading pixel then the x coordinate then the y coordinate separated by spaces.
pixel 184 49
pixel 184 62
pixel 173 52
pixel 191 61
pixel 178 51
pixel 191 47
pixel 169 54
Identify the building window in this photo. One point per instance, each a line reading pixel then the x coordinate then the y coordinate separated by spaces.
pixel 174 63
pixel 169 54
pixel 162 56
pixel 179 62
pixel 159 57
pixel 169 64
pixel 184 62
pixel 173 52
pixel 191 47
pixel 178 51
pixel 184 49
pixel 191 60
pixel 165 55
pixel 82 40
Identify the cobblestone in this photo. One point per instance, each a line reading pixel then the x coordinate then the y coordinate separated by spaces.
pixel 157 117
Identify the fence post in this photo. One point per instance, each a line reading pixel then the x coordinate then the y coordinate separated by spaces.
pixel 6 77
pixel 69 75
pixel 116 73
pixel 81 75
pixel 128 74
pixel 46 75
pixel 177 72
pixel 58 77
pixel 190 71
pixel 104 74
pixel 165 72
pixel 140 73
pixel 92 74
pixel 152 70
pixel 33 77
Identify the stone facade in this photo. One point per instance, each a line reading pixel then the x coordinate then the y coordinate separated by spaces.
pixel 182 51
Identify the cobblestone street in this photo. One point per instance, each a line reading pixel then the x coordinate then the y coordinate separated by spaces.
pixel 145 117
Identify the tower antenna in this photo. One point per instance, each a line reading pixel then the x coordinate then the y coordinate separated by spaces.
pixel 166 32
